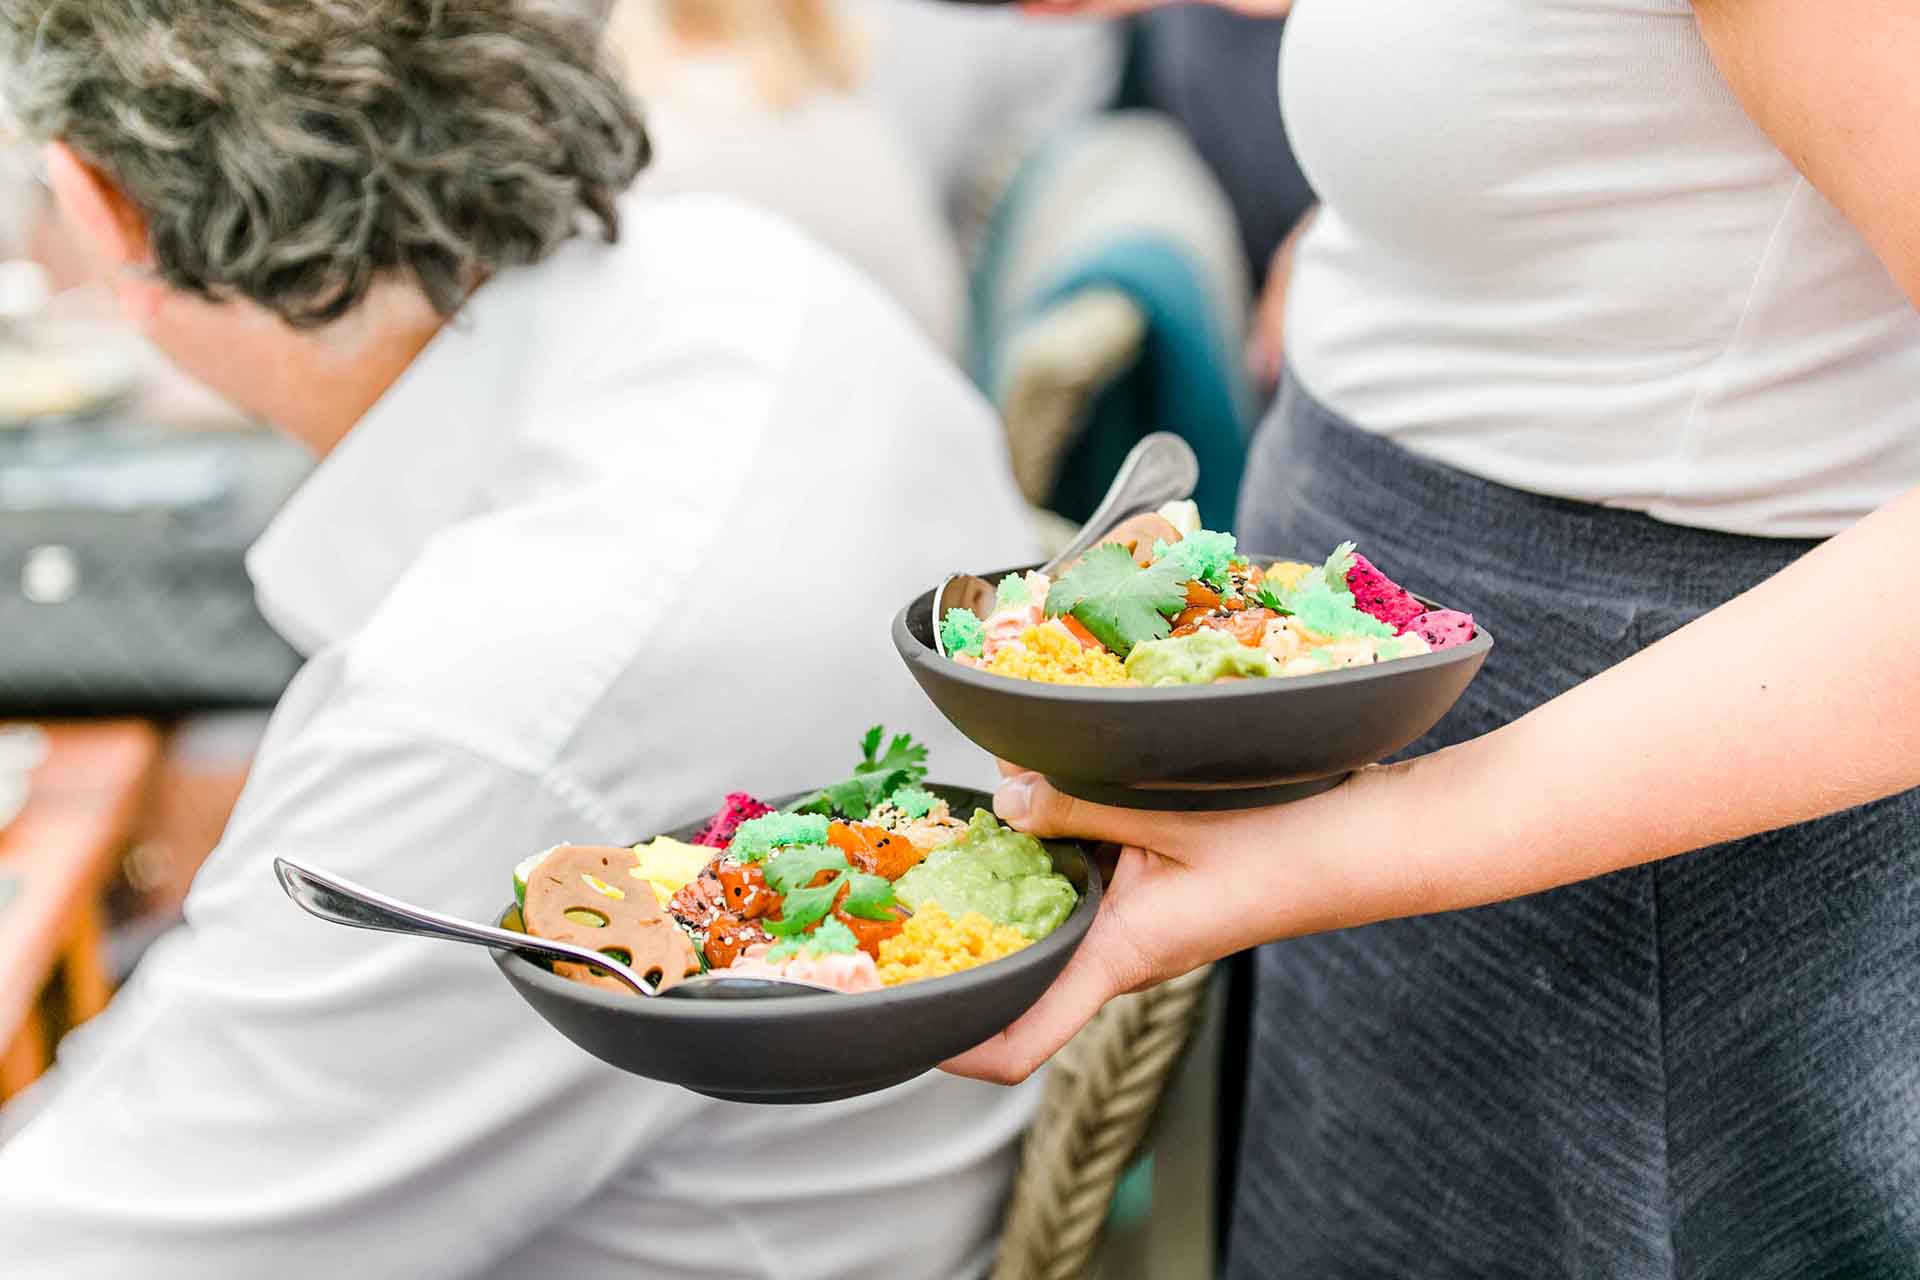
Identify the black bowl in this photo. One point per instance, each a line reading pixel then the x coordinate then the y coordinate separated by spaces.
pixel 810 1048
pixel 1235 745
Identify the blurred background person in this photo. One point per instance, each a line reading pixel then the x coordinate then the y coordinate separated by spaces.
pixel 760 99
pixel 1213 71
pixel 570 441
pixel 975 89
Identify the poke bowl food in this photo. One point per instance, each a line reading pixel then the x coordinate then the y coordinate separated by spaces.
pixel 926 924
pixel 1169 606
pixel 1168 668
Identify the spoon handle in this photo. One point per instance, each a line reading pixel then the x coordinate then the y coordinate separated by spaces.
pixel 1160 469
pixel 341 901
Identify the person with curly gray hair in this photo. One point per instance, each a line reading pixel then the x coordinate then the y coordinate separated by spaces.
pixel 608 521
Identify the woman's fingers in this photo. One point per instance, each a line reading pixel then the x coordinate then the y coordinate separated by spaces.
pixel 1029 802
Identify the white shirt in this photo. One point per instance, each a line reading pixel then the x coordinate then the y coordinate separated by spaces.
pixel 626 536
pixel 1556 253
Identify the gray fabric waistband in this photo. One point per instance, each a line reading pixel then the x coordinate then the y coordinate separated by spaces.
pixel 1310 454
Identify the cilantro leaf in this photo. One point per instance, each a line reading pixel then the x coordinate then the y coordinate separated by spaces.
pixel 854 798
pixel 1118 601
pixel 801 908
pixel 1267 598
pixel 791 875
pixel 1338 565
pixel 796 868
pixel 902 753
pixel 869 897
pixel 802 902
pixel 878 775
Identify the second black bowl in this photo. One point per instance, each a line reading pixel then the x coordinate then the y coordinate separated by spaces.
pixel 811 1048
pixel 1236 745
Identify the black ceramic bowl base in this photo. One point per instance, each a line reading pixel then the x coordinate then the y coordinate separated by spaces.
pixel 811 1048
pixel 1240 744
pixel 1197 799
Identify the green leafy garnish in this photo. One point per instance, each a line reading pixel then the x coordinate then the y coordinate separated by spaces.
pixel 961 631
pixel 878 775
pixel 802 902
pixel 830 939
pixel 1200 557
pixel 801 909
pixel 758 837
pixel 1338 565
pixel 1118 601
pixel 913 802
pixel 796 868
pixel 868 896
pixel 1267 598
pixel 1012 591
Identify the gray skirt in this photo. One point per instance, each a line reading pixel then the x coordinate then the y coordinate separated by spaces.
pixel 1709 1067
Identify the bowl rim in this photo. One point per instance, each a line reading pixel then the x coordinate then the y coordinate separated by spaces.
pixel 1066 938
pixel 917 652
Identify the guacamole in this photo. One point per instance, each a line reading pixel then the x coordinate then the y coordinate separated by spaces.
pixel 1003 874
pixel 1200 658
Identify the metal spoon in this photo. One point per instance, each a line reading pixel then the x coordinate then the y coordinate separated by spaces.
pixel 1160 469
pixel 343 902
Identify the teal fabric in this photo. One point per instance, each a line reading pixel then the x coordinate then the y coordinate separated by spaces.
pixel 1185 380
pixel 1133 1194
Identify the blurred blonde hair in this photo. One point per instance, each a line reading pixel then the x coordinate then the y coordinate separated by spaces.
pixel 794 47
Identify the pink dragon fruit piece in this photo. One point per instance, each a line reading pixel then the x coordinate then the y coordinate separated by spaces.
pixel 1376 594
pixel 739 807
pixel 1443 628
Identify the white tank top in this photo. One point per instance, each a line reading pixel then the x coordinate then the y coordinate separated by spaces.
pixel 1555 252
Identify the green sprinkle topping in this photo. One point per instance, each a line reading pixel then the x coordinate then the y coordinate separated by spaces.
pixel 1388 650
pixel 1331 613
pixel 1200 557
pixel 1013 591
pixel 830 939
pixel 961 632
pixel 913 802
pixel 759 837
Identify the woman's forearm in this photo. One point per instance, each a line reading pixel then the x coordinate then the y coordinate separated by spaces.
pixel 1796 699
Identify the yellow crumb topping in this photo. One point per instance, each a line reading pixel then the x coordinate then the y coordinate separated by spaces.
pixel 1288 574
pixel 932 944
pixel 1052 656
